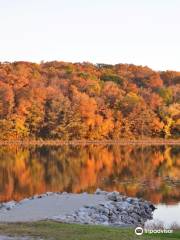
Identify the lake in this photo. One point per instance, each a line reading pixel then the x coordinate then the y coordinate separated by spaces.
pixel 150 172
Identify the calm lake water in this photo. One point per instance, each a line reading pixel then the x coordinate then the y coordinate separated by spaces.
pixel 149 172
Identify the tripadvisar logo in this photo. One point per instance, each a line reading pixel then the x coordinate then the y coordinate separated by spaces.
pixel 139 231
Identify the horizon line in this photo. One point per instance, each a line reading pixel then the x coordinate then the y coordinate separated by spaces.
pixel 86 61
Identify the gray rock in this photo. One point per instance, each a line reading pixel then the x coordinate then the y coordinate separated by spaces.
pixel 116 210
pixel 50 193
pixel 35 197
pixel 130 200
pixel 64 193
pixel 100 192
pixel 113 196
pixel 9 205
pixel 120 198
pixel 24 200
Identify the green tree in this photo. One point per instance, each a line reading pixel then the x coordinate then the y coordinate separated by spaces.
pixel 166 94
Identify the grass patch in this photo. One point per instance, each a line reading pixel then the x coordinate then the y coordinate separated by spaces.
pixel 58 231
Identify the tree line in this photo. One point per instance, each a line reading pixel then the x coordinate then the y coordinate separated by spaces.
pixel 68 101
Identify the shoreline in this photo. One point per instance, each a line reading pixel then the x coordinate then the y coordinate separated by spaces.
pixel 99 208
pixel 121 142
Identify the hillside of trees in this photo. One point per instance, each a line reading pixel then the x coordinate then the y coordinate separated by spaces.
pixel 58 100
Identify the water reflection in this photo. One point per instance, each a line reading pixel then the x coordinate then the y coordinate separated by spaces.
pixel 166 214
pixel 149 172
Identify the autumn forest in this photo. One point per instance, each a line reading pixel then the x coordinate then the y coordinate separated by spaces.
pixel 58 100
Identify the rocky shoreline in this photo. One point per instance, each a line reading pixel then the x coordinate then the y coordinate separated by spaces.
pixel 111 209
pixel 117 210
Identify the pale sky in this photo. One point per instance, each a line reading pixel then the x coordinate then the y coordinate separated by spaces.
pixel 142 32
